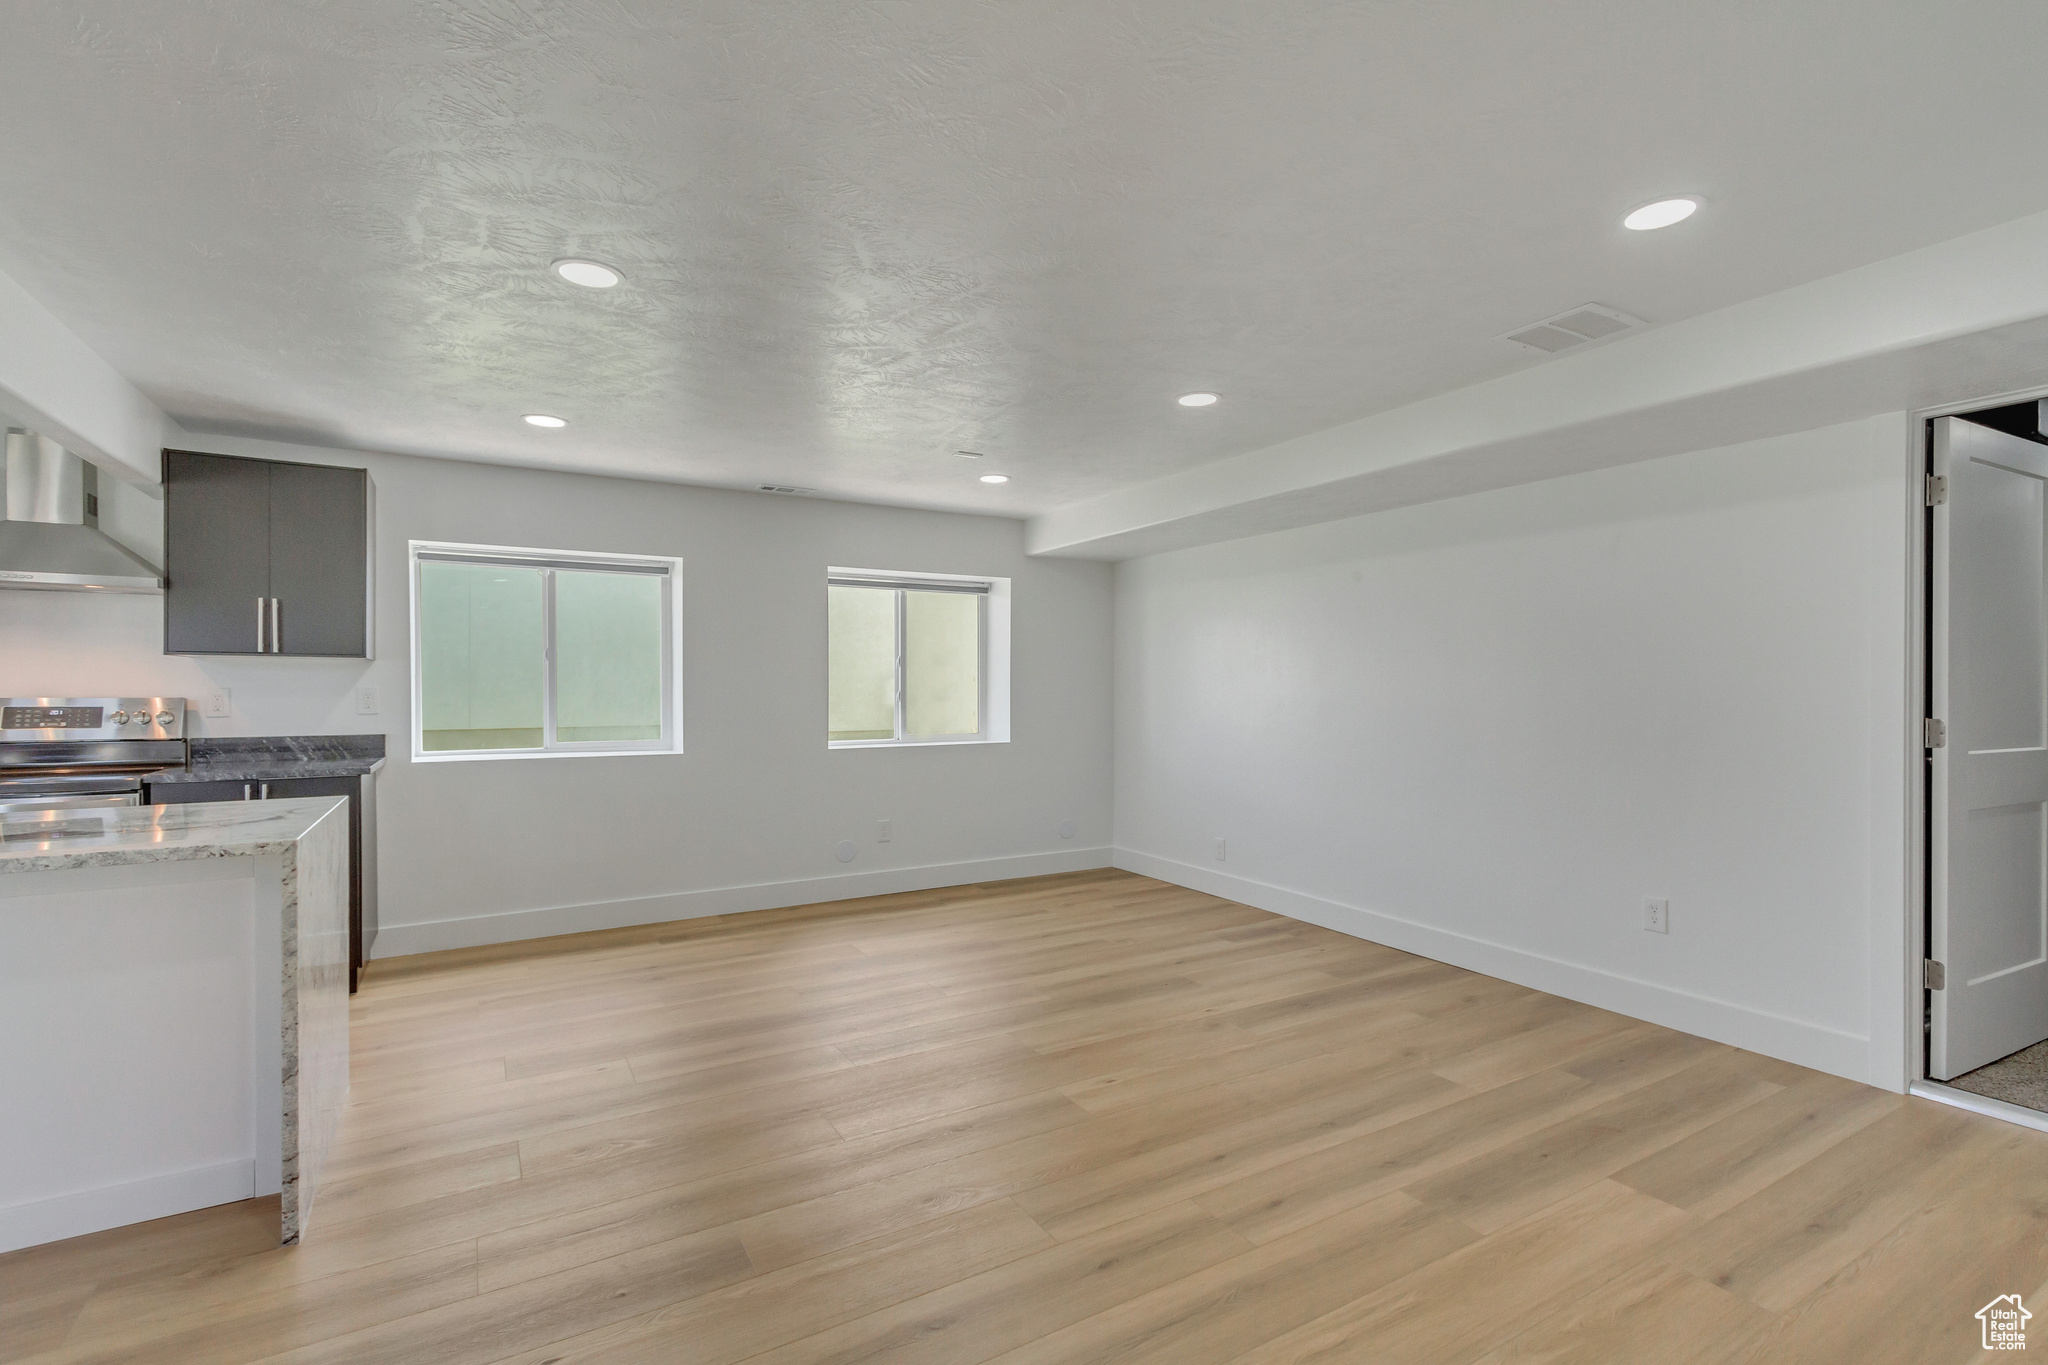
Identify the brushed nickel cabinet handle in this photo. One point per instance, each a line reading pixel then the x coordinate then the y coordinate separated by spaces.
pixel 276 636
pixel 259 625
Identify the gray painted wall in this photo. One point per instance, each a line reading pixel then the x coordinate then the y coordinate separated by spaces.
pixel 749 815
pixel 1488 729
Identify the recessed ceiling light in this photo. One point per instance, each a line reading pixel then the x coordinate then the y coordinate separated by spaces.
pixel 995 478
pixel 541 419
pixel 589 274
pixel 1662 213
pixel 1197 400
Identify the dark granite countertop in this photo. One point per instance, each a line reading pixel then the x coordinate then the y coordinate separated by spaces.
pixel 277 758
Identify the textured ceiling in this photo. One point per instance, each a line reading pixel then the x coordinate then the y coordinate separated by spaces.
pixel 859 236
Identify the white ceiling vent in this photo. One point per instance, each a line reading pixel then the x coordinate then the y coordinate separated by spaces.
pixel 785 488
pixel 1589 322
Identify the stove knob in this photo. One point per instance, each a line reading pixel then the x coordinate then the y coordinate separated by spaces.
pixel 164 718
pixel 119 718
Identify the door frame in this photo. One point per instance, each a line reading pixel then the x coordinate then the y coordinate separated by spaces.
pixel 1919 777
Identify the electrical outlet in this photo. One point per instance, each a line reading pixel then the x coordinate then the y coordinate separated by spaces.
pixel 366 701
pixel 219 703
pixel 882 831
pixel 1657 916
pixel 1219 848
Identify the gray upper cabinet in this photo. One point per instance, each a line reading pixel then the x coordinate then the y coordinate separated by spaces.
pixel 216 552
pixel 319 559
pixel 265 557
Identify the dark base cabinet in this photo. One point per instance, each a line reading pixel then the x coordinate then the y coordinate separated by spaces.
pixel 362 835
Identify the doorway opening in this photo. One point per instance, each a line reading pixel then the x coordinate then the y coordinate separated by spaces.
pixel 1985 748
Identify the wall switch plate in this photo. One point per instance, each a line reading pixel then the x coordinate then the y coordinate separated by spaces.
pixel 1219 849
pixel 882 831
pixel 219 703
pixel 366 701
pixel 1657 916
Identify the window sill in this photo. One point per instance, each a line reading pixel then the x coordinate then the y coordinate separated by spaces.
pixel 482 757
pixel 908 743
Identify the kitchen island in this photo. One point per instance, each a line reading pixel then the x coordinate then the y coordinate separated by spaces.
pixel 174 999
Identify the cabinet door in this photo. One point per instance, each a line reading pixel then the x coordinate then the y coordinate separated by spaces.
pixel 319 559
pixel 186 793
pixel 216 552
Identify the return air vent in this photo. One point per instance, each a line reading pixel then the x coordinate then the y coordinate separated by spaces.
pixel 1591 322
pixel 785 488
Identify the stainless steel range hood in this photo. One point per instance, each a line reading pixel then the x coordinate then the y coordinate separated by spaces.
pixel 51 538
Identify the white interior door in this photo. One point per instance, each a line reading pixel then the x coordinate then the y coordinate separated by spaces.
pixel 1989 826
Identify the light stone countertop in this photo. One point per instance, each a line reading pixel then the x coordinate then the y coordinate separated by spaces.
pixel 114 836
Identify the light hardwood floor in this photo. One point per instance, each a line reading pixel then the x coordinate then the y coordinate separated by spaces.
pixel 1080 1118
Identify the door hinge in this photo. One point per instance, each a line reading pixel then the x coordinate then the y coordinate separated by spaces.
pixel 1933 734
pixel 1933 975
pixel 1937 489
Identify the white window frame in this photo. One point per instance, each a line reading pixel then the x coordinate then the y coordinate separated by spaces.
pixel 994 660
pixel 670 572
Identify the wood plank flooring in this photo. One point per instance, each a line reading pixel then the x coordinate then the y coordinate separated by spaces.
pixel 1071 1119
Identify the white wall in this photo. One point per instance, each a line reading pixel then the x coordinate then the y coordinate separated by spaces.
pixel 1486 729
pixel 52 382
pixel 134 515
pixel 749 815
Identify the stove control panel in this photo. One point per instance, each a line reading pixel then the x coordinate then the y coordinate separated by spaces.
pixel 53 718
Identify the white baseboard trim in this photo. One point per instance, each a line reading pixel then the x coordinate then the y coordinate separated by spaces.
pixel 474 931
pixel 1980 1104
pixel 1790 1040
pixel 134 1201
